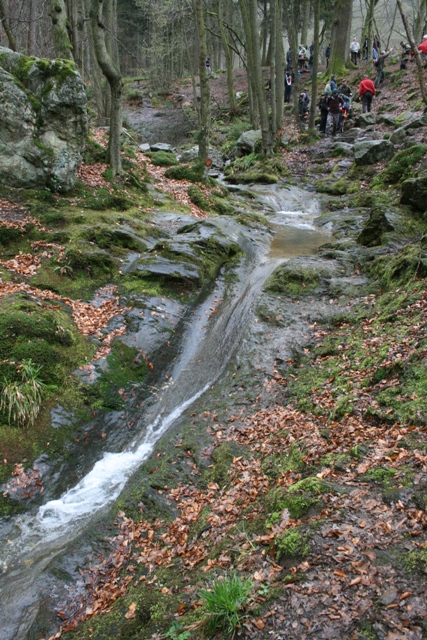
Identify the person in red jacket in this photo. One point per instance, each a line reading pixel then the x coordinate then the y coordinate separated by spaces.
pixel 366 93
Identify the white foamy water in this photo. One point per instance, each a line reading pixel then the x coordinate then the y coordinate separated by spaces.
pixel 100 486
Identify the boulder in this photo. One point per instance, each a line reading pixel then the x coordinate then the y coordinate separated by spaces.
pixel 372 151
pixel 161 146
pixel 365 119
pixel 387 119
pixel 414 192
pixel 43 124
pixel 372 233
pixel 247 141
pixel 144 147
pixel 191 154
pixel 398 136
pixel 342 149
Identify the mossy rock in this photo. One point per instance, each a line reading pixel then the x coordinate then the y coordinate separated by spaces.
pixel 294 279
pixel 255 177
pixel 292 545
pixel 162 158
pixel 400 269
pixel 372 233
pixel 400 166
pixel 92 263
pixel 192 173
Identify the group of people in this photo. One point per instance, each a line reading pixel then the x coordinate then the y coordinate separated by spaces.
pixel 335 106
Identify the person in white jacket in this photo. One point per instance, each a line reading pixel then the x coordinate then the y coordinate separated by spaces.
pixel 354 50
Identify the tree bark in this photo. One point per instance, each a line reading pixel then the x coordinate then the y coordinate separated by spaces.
pixel 315 65
pixel 9 34
pixel 418 60
pixel 204 132
pixel 250 9
pixel 280 68
pixel 61 40
pixel 340 37
pixel 114 79
pixel 228 59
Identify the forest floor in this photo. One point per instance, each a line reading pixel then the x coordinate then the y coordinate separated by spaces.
pixel 305 476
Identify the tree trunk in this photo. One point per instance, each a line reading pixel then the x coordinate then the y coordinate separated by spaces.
pixel 31 40
pixel 418 60
pixel 114 79
pixel 273 70
pixel 340 37
pixel 10 37
pixel 305 22
pixel 249 9
pixel 315 65
pixel 228 59
pixel 292 19
pixel 205 98
pixel 61 40
pixel 280 68
pixel 420 21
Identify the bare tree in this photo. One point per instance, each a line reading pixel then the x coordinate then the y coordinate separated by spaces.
pixel 418 60
pixel 61 40
pixel 114 79
pixel 6 26
pixel 204 131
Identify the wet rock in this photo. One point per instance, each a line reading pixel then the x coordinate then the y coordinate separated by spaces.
pixel 414 192
pixel 366 119
pixel 372 233
pixel 342 148
pixel 387 119
pixel 351 135
pixel 192 154
pixel 403 118
pixel 144 147
pixel 247 141
pixel 44 121
pixel 416 122
pixel 161 146
pixel 164 269
pixel 372 151
pixel 389 596
pixel 398 136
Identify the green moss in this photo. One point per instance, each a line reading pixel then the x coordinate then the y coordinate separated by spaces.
pixel 401 268
pixel 198 198
pixel 291 544
pixel 94 152
pixel 401 165
pixel 416 561
pixel 292 460
pixel 163 158
pixel 222 457
pixel 293 280
pixel 194 173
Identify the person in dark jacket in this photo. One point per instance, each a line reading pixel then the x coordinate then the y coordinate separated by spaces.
pixel 323 106
pixel 335 104
pixel 303 105
pixel 289 80
pixel 333 83
pixel 379 65
pixel 328 54
pixel 366 93
pixel 344 88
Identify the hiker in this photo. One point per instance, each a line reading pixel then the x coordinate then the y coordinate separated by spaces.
pixel 345 89
pixel 379 65
pixel 405 55
pixel 323 106
pixel 335 104
pixel 366 93
pixel 289 80
pixel 354 51
pixel 366 47
pixel 288 59
pixel 208 66
pixel 328 54
pixel 303 105
pixel 376 43
pixel 311 62
pixel 333 83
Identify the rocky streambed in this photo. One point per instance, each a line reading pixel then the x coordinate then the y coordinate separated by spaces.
pixel 201 340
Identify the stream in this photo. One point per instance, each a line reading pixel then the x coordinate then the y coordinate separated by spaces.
pixel 33 540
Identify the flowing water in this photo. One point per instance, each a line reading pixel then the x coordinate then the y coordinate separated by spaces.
pixel 34 539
